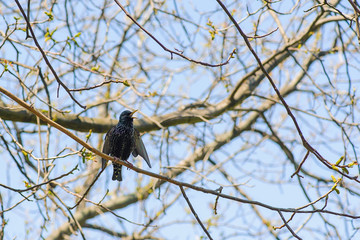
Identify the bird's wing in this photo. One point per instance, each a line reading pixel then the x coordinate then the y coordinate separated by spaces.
pixel 140 148
pixel 106 147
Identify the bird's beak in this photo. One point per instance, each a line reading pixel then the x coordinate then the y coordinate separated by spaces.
pixel 132 113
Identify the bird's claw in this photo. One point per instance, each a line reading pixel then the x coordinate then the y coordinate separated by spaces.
pixel 129 164
pixel 118 159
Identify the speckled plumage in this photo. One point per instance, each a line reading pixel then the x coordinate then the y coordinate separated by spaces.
pixel 122 140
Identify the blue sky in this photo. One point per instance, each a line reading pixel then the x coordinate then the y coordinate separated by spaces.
pixel 250 167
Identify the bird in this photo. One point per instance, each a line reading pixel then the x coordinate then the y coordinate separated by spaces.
pixel 122 140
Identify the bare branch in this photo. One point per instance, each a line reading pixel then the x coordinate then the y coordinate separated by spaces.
pixel 174 52
pixel 194 213
pixel 45 57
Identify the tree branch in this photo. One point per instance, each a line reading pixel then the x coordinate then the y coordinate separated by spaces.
pixel 45 57
pixel 194 213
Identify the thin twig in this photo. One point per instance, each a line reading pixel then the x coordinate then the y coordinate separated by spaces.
pixel 291 217
pixel 39 185
pixel 289 112
pixel 96 86
pixel 217 200
pixel 101 206
pixel 71 214
pixel 288 227
pixel 353 4
pixel 3 221
pixel 45 57
pixel 170 51
pixel 300 165
pixel 262 36
pixel 357 12
pixel 194 213
pixel 88 189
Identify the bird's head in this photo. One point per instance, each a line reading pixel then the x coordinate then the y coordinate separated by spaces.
pixel 126 116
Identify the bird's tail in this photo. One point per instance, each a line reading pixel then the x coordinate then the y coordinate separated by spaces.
pixel 117 172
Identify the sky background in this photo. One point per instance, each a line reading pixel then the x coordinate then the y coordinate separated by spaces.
pixel 263 172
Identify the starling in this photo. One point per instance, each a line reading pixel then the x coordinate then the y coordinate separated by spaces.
pixel 121 140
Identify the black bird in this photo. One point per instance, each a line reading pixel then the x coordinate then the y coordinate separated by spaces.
pixel 121 140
